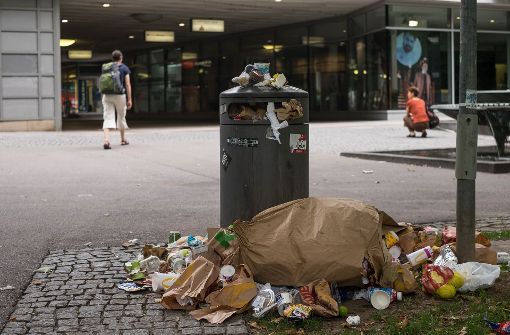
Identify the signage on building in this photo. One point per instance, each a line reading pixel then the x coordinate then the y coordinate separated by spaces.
pixel 207 26
pixel 79 54
pixel 159 36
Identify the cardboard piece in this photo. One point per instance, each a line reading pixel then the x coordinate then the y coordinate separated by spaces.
pixel 483 254
pixel 192 285
pixel 450 235
pixel 234 297
pixel 407 240
pixel 297 242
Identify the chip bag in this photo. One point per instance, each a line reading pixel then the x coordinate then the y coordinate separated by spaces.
pixel 435 276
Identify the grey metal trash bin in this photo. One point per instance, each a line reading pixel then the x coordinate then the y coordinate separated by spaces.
pixel 256 172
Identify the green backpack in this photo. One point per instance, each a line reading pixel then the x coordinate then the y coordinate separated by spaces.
pixel 109 81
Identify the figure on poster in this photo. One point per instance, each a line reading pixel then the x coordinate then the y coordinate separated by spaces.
pixel 416 118
pixel 423 82
pixel 408 53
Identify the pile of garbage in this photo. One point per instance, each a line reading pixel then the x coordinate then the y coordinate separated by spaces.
pixel 308 257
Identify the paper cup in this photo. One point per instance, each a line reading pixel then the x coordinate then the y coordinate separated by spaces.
pixel 380 299
pixel 391 238
pixel 163 281
pixel 227 273
pixel 503 257
pixel 395 251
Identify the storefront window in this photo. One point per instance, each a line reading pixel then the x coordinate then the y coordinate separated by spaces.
pixel 419 58
pixel 291 53
pixel 157 84
pixel 376 19
pixel 418 17
pixel 208 72
pixel 486 19
pixel 190 79
pixel 174 81
pixel 140 75
pixel 376 72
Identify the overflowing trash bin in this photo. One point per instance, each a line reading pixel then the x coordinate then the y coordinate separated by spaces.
pixel 264 148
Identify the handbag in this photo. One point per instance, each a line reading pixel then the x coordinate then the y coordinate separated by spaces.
pixel 433 119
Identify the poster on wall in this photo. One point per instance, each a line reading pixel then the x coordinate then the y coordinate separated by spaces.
pixel 413 51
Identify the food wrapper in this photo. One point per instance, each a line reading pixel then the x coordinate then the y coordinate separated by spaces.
pixel 297 312
pixel 317 295
pixel 434 277
pixel 446 257
pixel 405 281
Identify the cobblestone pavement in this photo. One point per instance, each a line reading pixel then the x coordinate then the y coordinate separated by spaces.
pixel 80 296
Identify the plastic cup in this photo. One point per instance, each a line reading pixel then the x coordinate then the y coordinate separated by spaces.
pixel 163 281
pixel 380 299
pixel 227 273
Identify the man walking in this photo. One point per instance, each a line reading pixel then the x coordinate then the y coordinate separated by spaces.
pixel 115 86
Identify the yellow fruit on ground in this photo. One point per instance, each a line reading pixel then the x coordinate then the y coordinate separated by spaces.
pixel 342 311
pixel 446 291
pixel 457 280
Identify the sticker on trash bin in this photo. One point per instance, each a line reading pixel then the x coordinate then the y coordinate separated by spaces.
pixel 297 143
pixel 243 142
pixel 225 159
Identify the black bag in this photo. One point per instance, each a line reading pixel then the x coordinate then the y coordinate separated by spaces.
pixel 433 119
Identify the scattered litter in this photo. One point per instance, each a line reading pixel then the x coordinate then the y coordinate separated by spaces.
pixel 503 257
pixel 5 288
pixel 502 328
pixel 353 320
pixel 368 171
pixel 130 287
pixel 37 282
pixel 44 269
pixel 131 243
pixel 88 244
pixel 106 214
pixel 88 195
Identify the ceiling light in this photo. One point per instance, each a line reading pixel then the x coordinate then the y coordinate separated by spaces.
pixel 182 24
pixel 159 36
pixel 458 17
pixel 413 23
pixel 64 42
pixel 131 36
pixel 106 5
pixel 277 0
pixel 79 54
pixel 65 20
pixel 492 21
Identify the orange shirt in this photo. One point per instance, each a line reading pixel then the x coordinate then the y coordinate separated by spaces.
pixel 417 111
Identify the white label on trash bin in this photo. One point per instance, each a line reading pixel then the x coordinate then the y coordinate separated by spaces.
pixel 243 142
pixel 297 143
pixel 225 159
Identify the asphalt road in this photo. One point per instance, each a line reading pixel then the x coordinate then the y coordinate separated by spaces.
pixel 62 190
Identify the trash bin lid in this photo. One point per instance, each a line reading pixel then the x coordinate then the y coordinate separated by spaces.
pixel 264 92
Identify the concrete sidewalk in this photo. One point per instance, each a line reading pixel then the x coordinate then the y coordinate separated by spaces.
pixel 62 191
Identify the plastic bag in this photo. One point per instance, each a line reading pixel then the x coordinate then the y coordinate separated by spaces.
pixel 264 301
pixel 477 275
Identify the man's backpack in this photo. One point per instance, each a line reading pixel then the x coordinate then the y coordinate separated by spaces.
pixel 110 81
pixel 433 119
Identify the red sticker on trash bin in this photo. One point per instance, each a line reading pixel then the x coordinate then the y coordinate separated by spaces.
pixel 297 143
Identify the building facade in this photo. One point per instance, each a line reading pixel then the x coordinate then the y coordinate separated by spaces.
pixel 355 67
pixel 30 65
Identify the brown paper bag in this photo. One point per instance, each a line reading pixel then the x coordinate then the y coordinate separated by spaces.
pixel 407 240
pixel 324 304
pixel 297 242
pixel 405 281
pixel 191 284
pixel 483 254
pixel 233 298
pixel 225 245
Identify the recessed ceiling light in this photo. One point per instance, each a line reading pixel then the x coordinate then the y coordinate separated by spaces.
pixel 458 17
pixel 131 36
pixel 413 23
pixel 277 0
pixel 182 24
pixel 492 21
pixel 65 20
pixel 106 5
pixel 65 42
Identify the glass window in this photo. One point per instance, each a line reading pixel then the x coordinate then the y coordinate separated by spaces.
pixel 486 19
pixel 419 17
pixel 376 19
pixel 357 25
pixel 376 72
pixel 190 79
pixel 174 81
pixel 328 32
pixel 208 71
pixel 419 59
pixel 292 56
pixel 140 77
pixel 328 86
pixel 357 75
pixel 230 64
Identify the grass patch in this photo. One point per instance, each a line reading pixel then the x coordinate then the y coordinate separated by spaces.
pixel 497 235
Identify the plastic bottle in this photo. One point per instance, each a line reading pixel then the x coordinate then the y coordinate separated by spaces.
pixel 420 256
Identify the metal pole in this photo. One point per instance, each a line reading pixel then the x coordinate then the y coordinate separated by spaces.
pixel 467 134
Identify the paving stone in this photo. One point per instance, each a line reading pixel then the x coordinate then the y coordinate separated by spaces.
pixel 165 332
pixel 89 311
pixel 67 322
pixel 136 332
pixel 189 322
pixel 214 330
pixel 191 331
pixel 237 330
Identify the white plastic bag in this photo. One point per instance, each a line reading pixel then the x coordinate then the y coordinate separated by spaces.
pixel 477 275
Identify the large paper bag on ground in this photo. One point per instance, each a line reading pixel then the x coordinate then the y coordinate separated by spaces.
pixel 303 240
